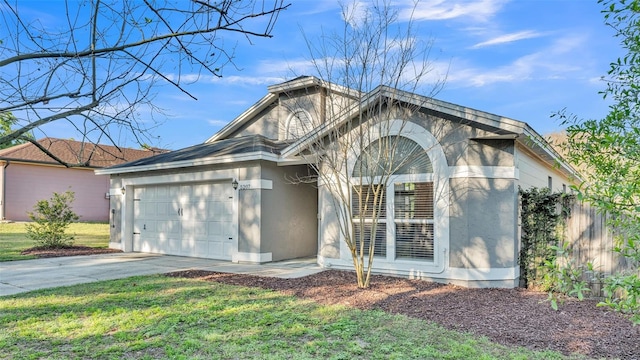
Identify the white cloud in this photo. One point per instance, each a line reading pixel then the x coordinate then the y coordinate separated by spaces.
pixel 507 38
pixel 482 10
pixel 218 123
pixel 556 61
pixel 355 13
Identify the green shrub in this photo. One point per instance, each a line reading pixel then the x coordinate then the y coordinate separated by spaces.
pixel 51 219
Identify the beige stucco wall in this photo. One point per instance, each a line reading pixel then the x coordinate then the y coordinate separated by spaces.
pixel 273 223
pixel 289 213
pixel 483 223
pixel 26 184
pixel 272 122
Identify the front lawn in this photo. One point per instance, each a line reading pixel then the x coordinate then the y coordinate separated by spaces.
pixel 155 317
pixel 13 238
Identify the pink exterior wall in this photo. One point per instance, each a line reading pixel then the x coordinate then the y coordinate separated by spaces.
pixel 26 184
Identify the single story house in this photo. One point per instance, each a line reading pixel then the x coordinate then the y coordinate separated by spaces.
pixel 27 175
pixel 233 197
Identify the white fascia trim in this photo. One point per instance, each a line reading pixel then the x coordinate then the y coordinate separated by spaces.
pixel 257 155
pixel 298 160
pixel 488 172
pixel 252 257
pixel 458 111
pixel 312 81
pixel 242 118
pixel 535 138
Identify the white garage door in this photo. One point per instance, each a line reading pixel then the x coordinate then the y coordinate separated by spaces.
pixel 188 220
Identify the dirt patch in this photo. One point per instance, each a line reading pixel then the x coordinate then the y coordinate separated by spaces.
pixel 47 252
pixel 507 316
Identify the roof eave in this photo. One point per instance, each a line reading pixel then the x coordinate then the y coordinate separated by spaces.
pixel 227 159
pixel 242 118
pixel 535 143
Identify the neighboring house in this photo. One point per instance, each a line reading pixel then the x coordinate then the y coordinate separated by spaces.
pixel 185 202
pixel 27 175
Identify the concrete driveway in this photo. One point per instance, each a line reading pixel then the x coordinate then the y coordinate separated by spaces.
pixel 26 275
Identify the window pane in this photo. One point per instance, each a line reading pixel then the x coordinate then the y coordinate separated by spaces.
pixel 363 201
pixel 392 154
pixel 380 243
pixel 414 241
pixel 413 201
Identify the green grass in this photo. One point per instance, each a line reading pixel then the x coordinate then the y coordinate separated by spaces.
pixel 13 238
pixel 155 317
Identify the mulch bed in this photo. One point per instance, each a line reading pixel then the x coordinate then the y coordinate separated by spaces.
pixel 507 316
pixel 47 252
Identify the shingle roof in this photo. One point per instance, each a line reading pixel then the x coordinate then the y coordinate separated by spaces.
pixel 75 153
pixel 232 146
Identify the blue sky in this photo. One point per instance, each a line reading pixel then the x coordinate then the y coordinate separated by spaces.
pixel 522 59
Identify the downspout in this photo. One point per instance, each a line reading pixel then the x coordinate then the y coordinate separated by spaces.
pixel 3 190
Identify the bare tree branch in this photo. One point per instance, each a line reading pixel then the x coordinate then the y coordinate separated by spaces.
pixel 98 69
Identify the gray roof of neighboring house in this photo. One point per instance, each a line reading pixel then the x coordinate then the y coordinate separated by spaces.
pixel 233 146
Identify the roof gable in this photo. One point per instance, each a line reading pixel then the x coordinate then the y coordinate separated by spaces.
pixel 74 153
pixel 213 150
pixel 273 97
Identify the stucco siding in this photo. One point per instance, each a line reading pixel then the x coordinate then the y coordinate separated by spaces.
pixel 265 124
pixel 535 173
pixel 27 184
pixel 483 223
pixel 329 234
pixel 490 153
pixel 249 221
pixel 289 214
pixel 461 144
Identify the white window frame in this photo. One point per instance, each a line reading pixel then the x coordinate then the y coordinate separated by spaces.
pixel 390 220
pixel 441 193
pixel 294 119
pixel 402 179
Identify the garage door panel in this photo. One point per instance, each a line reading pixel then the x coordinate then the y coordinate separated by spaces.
pixel 200 229
pixel 215 228
pixel 215 247
pixel 169 227
pixel 189 220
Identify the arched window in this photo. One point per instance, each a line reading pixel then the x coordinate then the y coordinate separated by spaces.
pixel 298 124
pixel 392 155
pixel 405 207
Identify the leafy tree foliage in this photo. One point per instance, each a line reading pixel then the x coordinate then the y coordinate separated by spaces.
pixel 7 120
pixel 51 218
pixel 608 151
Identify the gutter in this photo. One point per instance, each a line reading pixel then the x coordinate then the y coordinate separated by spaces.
pixel 252 156
pixel 3 189
pixel 532 138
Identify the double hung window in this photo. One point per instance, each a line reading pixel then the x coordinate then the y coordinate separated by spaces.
pixel 404 208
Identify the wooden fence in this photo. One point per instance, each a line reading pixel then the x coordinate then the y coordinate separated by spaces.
pixel 592 242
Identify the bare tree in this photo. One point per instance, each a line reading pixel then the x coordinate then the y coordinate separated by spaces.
pixel 369 73
pixel 98 70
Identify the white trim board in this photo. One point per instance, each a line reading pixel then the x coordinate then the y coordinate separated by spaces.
pixel 252 257
pixel 255 184
pixel 489 172
pixel 417 270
